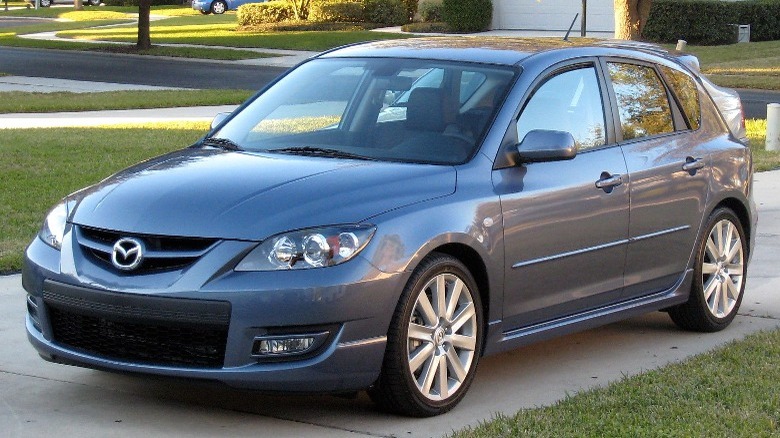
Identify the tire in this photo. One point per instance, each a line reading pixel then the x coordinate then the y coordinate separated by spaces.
pixel 94 2
pixel 425 337
pixel 44 3
pixel 719 276
pixel 218 7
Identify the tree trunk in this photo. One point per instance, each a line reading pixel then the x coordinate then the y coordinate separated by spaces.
pixel 630 18
pixel 144 39
pixel 77 5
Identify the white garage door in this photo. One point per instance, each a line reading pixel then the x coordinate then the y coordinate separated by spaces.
pixel 552 15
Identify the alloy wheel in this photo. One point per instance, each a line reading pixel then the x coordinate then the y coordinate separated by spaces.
pixel 723 268
pixel 442 336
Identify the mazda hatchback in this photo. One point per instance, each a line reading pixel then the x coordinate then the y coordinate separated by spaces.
pixel 384 214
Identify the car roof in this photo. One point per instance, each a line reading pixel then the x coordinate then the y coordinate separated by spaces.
pixel 490 50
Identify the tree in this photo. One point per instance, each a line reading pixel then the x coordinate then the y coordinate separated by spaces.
pixel 630 18
pixel 77 5
pixel 300 8
pixel 144 39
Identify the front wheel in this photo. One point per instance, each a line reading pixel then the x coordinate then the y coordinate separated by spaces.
pixel 719 276
pixel 44 3
pixel 218 7
pixel 434 341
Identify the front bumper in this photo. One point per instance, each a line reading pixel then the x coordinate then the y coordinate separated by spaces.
pixel 353 301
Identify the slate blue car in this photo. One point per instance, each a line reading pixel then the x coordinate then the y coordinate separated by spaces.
pixel 219 6
pixel 384 214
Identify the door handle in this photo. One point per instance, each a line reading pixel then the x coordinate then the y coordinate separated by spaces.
pixel 609 182
pixel 692 165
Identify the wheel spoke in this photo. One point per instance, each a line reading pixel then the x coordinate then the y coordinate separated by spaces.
pixel 464 342
pixel 712 283
pixel 712 248
pixel 735 269
pixel 715 297
pixel 709 268
pixel 440 296
pixel 731 290
pixel 429 374
pixel 453 299
pixel 420 332
pixel 420 356
pixel 456 367
pixel 444 381
pixel 463 317
pixel 425 307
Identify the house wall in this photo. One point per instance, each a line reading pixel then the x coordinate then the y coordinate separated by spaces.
pixel 552 15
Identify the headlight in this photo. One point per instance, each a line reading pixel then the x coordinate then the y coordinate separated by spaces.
pixel 53 229
pixel 312 248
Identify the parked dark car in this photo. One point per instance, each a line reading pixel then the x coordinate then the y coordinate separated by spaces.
pixel 47 3
pixel 385 214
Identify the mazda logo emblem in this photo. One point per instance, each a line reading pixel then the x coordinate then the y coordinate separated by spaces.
pixel 128 254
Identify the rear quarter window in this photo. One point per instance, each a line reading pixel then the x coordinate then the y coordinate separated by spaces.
pixel 642 102
pixel 687 94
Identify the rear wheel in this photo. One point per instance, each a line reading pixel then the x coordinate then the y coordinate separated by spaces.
pixel 719 276
pixel 218 7
pixel 44 3
pixel 434 341
pixel 94 2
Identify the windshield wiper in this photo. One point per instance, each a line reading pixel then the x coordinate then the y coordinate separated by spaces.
pixel 223 143
pixel 320 152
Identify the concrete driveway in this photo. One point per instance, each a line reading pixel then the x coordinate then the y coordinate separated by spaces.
pixel 38 398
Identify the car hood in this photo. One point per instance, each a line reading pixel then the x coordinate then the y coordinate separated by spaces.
pixel 240 195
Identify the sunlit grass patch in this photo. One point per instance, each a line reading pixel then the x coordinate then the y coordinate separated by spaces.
pixel 94 14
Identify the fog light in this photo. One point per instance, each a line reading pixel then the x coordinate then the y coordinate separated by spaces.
pixel 287 345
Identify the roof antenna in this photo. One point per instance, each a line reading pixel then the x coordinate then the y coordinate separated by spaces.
pixel 566 38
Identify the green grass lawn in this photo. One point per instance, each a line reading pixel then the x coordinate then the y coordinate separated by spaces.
pixel 733 391
pixel 23 102
pixel 746 65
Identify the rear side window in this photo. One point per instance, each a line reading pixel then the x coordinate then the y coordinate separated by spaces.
pixel 687 93
pixel 642 102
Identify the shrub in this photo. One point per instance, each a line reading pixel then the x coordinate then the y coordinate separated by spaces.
pixel 390 12
pixel 252 14
pixel 712 22
pixel 431 12
pixel 467 15
pixel 336 11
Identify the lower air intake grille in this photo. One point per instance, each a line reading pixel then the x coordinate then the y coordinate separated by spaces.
pixel 146 330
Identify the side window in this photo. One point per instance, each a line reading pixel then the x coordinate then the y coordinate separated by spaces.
pixel 687 93
pixel 570 102
pixel 641 99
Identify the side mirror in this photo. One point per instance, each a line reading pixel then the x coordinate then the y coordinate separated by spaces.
pixel 542 145
pixel 219 118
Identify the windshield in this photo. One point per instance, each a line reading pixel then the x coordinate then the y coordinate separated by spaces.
pixel 379 109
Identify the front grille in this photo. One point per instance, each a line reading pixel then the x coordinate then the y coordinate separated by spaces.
pixel 139 329
pixel 162 252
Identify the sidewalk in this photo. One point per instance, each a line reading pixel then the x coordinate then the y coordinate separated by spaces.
pixel 111 117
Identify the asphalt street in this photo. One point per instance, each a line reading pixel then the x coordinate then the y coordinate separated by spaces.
pixel 132 69
pixel 168 72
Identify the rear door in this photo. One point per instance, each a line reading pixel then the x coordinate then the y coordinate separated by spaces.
pixel 668 170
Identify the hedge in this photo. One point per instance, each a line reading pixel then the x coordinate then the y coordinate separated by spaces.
pixel 333 11
pixel 252 14
pixel 390 12
pixel 711 22
pixel 467 15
